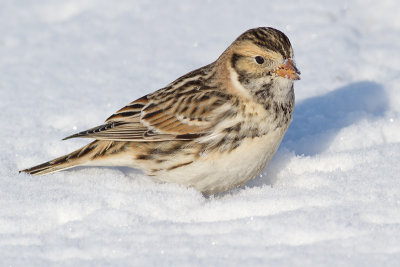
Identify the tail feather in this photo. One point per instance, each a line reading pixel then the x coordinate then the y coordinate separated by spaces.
pixel 90 152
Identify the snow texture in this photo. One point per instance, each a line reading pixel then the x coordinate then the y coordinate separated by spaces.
pixel 330 196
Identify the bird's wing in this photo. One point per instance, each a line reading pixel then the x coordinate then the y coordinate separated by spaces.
pixel 164 115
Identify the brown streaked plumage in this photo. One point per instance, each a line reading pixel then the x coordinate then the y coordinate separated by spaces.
pixel 212 129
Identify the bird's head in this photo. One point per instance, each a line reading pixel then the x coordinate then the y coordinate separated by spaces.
pixel 262 55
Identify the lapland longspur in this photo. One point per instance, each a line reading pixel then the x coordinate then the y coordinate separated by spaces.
pixel 213 129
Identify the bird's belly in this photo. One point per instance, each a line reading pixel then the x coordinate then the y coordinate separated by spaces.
pixel 219 172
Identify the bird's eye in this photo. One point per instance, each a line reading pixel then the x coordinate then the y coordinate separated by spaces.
pixel 259 59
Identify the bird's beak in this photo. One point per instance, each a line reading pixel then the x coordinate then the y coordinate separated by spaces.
pixel 288 70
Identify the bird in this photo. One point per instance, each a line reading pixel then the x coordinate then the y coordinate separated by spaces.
pixel 213 129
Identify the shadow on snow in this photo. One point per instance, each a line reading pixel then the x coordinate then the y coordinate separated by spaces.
pixel 317 120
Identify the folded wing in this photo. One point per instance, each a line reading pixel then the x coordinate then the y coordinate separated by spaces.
pixel 179 116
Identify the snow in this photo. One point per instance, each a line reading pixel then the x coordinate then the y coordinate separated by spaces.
pixel 330 196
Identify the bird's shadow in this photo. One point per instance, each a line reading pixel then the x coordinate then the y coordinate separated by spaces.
pixel 317 120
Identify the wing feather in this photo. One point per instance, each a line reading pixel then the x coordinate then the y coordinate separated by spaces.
pixel 183 113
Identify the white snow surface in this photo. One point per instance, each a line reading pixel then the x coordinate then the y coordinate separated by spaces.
pixel 330 196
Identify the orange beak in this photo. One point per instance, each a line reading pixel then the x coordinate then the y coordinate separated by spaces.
pixel 288 70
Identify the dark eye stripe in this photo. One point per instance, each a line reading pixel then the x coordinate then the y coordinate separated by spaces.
pixel 235 59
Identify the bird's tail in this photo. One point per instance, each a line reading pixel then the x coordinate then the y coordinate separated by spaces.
pixel 97 150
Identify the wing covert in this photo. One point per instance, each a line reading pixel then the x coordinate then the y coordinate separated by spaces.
pixel 177 117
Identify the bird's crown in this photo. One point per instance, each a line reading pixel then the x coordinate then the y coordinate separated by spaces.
pixel 268 38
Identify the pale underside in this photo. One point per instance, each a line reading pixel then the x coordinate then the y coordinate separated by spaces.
pixel 223 171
